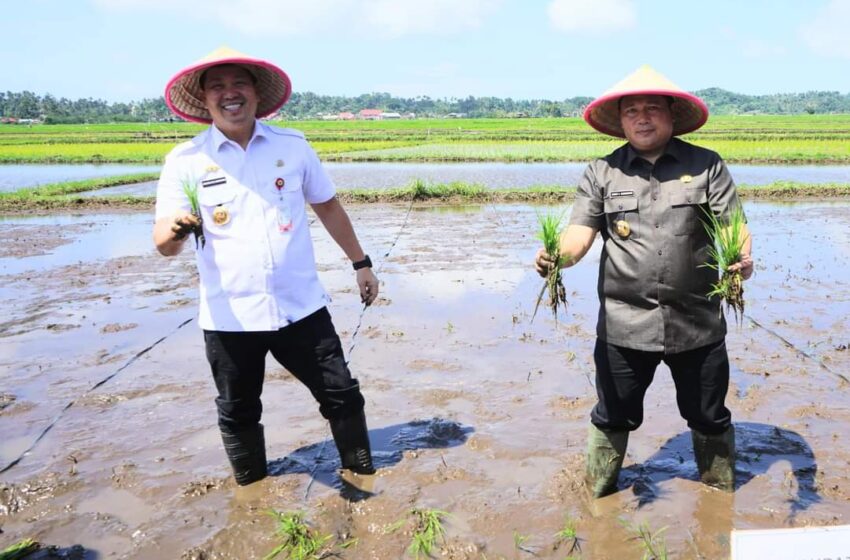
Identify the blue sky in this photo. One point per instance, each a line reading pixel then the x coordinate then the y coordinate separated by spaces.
pixel 124 50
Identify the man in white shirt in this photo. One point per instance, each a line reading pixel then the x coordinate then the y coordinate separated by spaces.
pixel 259 289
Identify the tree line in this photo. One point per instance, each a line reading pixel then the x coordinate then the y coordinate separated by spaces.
pixel 307 105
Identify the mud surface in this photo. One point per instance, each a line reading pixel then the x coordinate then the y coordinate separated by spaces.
pixel 472 409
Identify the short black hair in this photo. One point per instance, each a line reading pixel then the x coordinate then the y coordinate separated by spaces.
pixel 203 77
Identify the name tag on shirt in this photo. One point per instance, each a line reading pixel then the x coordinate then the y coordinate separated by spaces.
pixel 213 182
pixel 617 194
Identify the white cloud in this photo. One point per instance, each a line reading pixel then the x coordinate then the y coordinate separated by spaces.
pixel 826 34
pixel 373 18
pixel 397 17
pixel 593 16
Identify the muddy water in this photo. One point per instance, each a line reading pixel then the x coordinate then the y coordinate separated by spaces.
pixel 472 409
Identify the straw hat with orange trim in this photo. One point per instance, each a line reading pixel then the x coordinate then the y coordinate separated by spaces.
pixel 184 95
pixel 689 111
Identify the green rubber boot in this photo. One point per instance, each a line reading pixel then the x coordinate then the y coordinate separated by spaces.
pixel 715 456
pixel 605 454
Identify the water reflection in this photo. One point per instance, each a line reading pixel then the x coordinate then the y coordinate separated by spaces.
pixel 17 176
pixel 92 238
pixel 388 175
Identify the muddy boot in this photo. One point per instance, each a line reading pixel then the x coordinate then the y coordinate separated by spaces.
pixel 715 456
pixel 246 451
pixel 352 441
pixel 605 454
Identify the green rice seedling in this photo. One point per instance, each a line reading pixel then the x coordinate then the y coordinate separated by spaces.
pixel 300 542
pixel 19 550
pixel 727 241
pixel 654 547
pixel 428 528
pixel 568 535
pixel 191 190
pixel 550 235
pixel 519 543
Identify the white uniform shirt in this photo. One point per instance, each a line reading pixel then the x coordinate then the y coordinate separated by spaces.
pixel 257 270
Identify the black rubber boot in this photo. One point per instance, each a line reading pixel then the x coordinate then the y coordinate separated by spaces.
pixel 246 451
pixel 352 442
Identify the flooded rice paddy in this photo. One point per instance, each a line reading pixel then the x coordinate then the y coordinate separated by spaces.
pixel 388 175
pixel 472 409
pixel 17 176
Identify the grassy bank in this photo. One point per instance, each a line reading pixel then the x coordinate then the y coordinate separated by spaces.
pixel 65 196
pixel 794 139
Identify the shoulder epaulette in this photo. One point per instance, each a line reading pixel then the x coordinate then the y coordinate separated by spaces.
pixel 286 131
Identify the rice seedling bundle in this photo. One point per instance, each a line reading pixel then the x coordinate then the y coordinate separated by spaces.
pixel 727 241
pixel 191 190
pixel 550 235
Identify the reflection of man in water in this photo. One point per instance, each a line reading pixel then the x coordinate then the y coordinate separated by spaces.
pixel 647 199
pixel 259 289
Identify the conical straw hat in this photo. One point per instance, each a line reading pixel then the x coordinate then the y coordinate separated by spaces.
pixel 184 96
pixel 689 111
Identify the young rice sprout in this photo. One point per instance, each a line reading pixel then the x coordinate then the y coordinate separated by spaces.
pixel 727 240
pixel 550 235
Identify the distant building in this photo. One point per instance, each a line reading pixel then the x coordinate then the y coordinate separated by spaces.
pixel 346 116
pixel 390 116
pixel 370 114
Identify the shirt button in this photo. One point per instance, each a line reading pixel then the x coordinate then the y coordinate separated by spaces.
pixel 658 225
pixel 654 198
pixel 659 252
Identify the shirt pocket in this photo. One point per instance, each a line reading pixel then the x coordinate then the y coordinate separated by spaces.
pixel 285 191
pixel 686 212
pixel 623 208
pixel 217 207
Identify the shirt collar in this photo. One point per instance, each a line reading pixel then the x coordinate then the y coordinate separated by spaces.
pixel 673 149
pixel 219 139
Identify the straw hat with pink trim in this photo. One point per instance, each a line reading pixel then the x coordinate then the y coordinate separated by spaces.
pixel 184 95
pixel 689 111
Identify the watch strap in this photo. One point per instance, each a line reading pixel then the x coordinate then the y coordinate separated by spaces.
pixel 365 263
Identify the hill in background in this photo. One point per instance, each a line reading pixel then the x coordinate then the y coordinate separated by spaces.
pixel 308 105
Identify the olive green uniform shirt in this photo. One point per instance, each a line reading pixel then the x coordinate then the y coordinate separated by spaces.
pixel 653 284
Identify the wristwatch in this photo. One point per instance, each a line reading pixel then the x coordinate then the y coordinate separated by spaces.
pixel 365 263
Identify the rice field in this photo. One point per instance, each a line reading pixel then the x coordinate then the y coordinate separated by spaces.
pixel 744 139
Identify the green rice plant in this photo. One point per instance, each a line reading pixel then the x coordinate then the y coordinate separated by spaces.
pixel 727 240
pixel 653 545
pixel 428 529
pixel 550 235
pixel 569 535
pixel 19 550
pixel 519 543
pixel 300 542
pixel 191 189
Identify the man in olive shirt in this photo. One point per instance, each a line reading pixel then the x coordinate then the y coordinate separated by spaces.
pixel 648 199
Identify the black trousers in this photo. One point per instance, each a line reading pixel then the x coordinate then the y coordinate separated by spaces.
pixel 310 349
pixel 623 375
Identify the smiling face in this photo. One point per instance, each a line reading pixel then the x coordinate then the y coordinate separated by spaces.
pixel 230 96
pixel 647 123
